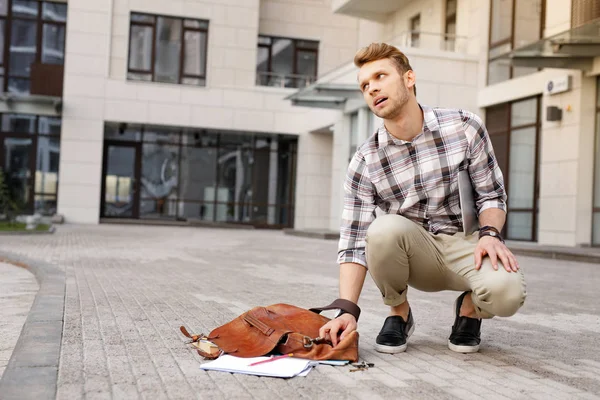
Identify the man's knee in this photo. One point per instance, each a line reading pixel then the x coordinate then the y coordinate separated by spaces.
pixel 389 228
pixel 501 293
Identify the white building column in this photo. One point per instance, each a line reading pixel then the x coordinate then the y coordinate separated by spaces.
pixel 567 165
pixel 86 70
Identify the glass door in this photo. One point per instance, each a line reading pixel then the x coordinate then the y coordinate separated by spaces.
pixel 17 159
pixel 120 186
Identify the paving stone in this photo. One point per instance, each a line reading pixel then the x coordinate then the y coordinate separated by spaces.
pixel 127 289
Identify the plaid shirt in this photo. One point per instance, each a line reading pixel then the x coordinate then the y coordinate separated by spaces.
pixel 419 179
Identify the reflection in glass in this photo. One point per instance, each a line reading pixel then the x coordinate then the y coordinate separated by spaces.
pixel 123 131
pixel 160 171
pixel 235 184
pixel 198 182
pixel 161 135
pixel 168 48
pixel 49 125
pixel 18 123
pixel 18 85
pixel 17 162
pixel 45 204
pixel 54 12
pixel 527 21
pixel 522 168
pixel 2 38
pixel 119 181
pixel 46 171
pixel 498 71
pixel 53 48
pixel 140 49
pixel 520 225
pixel 25 8
pixel 3 8
pixel 22 47
pixel 501 20
pixel 195 53
pixel 306 66
pixel 524 112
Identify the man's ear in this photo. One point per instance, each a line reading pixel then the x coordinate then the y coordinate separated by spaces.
pixel 410 79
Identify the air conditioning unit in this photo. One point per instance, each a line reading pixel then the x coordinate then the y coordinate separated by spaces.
pixel 558 85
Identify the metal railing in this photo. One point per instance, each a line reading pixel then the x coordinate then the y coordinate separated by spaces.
pixel 431 41
pixel 274 79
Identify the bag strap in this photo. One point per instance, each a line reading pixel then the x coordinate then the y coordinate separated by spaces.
pixel 345 305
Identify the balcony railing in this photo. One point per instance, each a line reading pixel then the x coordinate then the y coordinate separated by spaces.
pixel 274 79
pixel 431 41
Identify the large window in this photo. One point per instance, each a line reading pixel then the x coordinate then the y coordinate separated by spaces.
pixel 33 32
pixel 514 129
pixel 29 157
pixel 286 62
pixel 167 49
pixel 450 25
pixel 513 24
pixel 196 174
pixel 415 30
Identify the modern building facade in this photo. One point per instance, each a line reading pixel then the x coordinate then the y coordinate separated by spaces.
pixel 247 111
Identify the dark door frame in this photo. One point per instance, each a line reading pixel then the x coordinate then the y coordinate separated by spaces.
pixel 29 205
pixel 137 169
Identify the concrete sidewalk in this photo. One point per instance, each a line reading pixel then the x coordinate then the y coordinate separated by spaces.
pixel 129 288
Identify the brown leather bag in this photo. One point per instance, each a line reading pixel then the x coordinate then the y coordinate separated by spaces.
pixel 280 328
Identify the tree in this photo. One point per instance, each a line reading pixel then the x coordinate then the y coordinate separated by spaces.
pixel 8 207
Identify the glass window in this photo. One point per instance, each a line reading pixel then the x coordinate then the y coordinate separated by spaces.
pixel 286 62
pixel 2 38
pixel 123 131
pixel 3 7
pixel 163 62
pixel 161 135
pixel 524 112
pixel 54 12
pixel 25 8
pixel 22 47
pixel 353 133
pixel 198 174
pixel 53 46
pixel 46 175
pixel 195 53
pixel 49 125
pixel 528 20
pixel 522 168
pixel 168 50
pixel 501 20
pixel 18 123
pixel 520 225
pixel 498 71
pixel 140 49
pixel 160 174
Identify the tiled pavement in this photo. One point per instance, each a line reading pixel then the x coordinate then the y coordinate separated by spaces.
pixel 129 288
pixel 18 288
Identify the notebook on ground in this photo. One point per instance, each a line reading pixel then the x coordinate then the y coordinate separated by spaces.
pixel 282 368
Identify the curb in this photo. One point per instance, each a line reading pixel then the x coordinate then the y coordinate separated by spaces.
pixel 32 371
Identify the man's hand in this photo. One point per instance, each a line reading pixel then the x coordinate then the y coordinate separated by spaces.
pixel 495 249
pixel 343 324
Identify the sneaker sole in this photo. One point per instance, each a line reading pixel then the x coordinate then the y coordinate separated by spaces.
pixel 395 349
pixel 462 349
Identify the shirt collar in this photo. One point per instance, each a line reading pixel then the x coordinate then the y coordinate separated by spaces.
pixel 430 123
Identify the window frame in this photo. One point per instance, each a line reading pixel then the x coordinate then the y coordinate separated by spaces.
pixel 510 39
pixel 182 53
pixel 450 18
pixel 40 22
pixel 295 42
pixel 415 35
pixel 507 129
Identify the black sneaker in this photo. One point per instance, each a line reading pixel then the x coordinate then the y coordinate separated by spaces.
pixel 465 336
pixel 394 333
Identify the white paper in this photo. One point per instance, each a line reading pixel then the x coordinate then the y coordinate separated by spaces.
pixel 287 367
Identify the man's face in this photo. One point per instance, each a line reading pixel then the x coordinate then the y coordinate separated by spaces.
pixel 384 88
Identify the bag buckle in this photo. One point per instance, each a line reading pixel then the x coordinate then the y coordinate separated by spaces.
pixel 308 342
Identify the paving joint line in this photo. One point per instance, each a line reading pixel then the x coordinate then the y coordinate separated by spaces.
pixel 32 371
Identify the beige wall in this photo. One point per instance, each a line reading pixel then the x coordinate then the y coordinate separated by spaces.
pixel 96 89
pixel 558 17
pixel 313 20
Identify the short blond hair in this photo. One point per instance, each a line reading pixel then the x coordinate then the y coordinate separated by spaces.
pixel 380 51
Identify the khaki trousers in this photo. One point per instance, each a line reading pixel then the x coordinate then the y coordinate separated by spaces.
pixel 401 253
